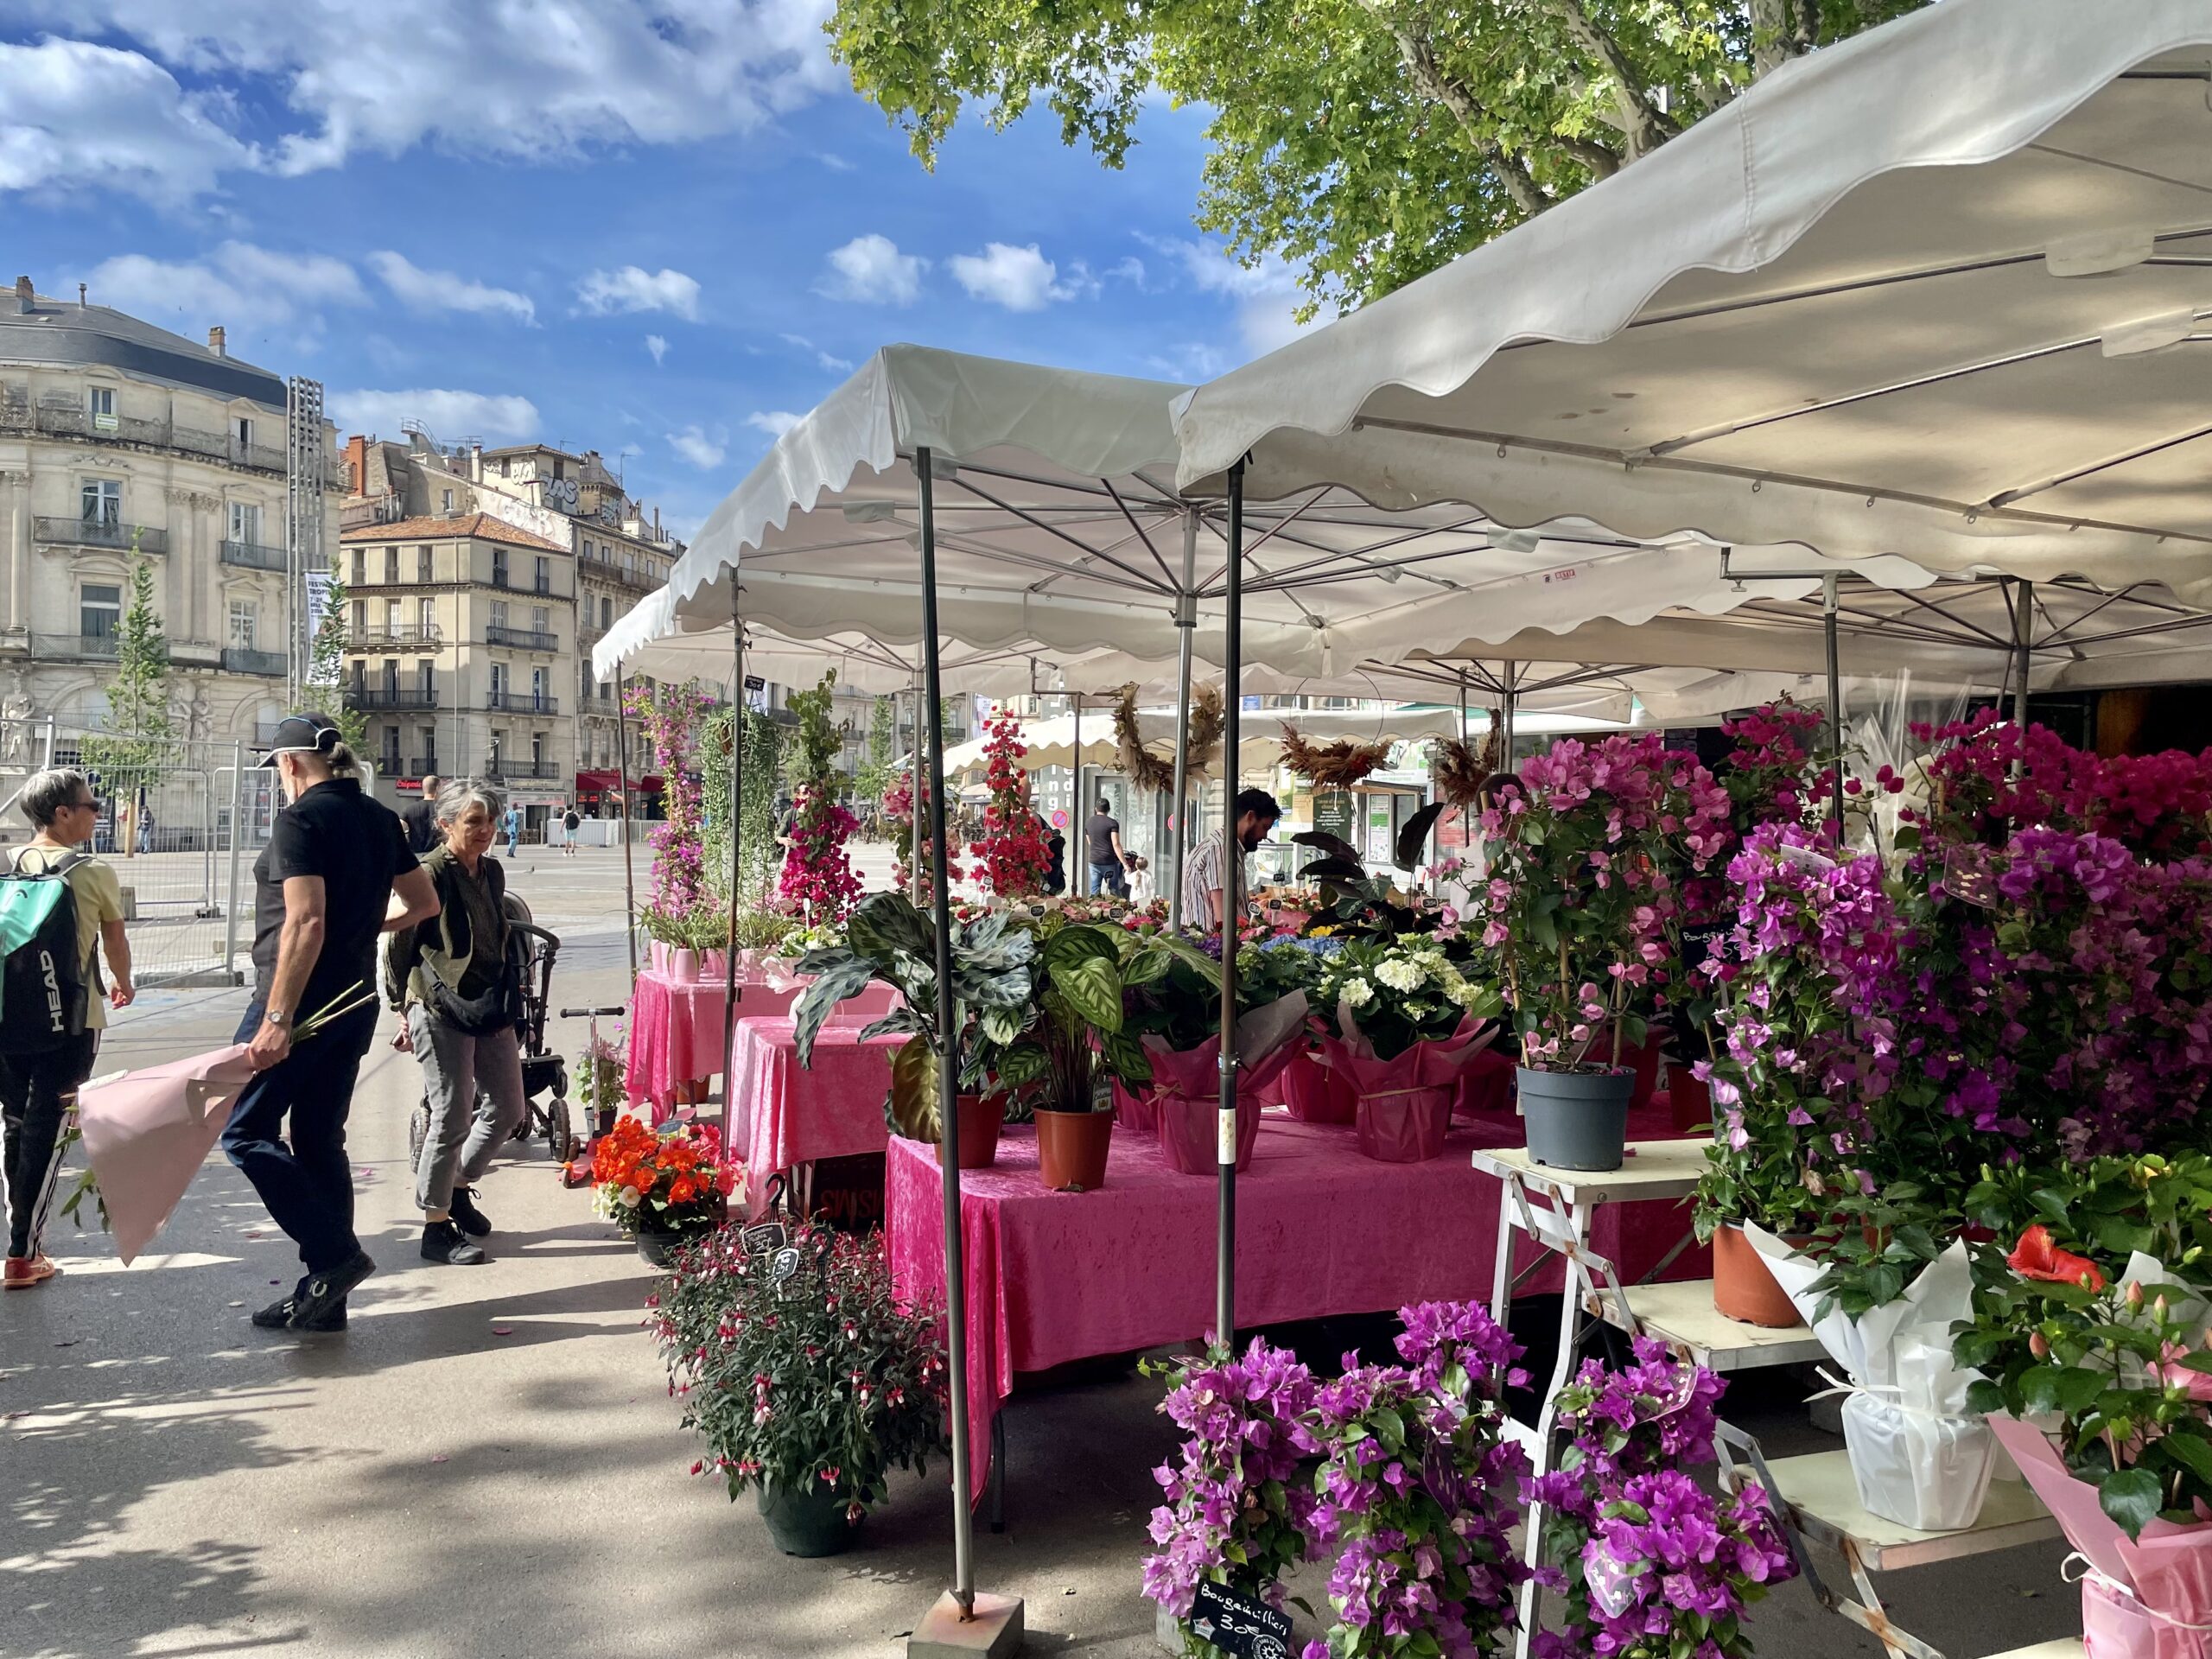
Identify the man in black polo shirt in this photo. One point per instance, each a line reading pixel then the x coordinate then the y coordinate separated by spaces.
pixel 323 888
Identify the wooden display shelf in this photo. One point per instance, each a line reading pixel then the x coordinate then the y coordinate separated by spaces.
pixel 1653 1169
pixel 1683 1316
pixel 1823 1499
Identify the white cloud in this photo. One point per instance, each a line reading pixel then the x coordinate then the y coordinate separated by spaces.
pixel 774 422
pixel 75 116
pixel 441 290
pixel 1266 293
pixel 252 291
pixel 870 270
pixel 834 162
pixel 449 414
pixel 634 289
pixel 523 82
pixel 1020 279
pixel 696 447
pixel 656 346
pixel 827 362
pixel 1130 270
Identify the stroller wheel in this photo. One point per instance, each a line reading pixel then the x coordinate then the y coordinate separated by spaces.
pixel 418 1130
pixel 560 1135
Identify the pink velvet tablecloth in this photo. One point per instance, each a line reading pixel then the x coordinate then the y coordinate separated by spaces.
pixel 676 1032
pixel 1321 1231
pixel 781 1113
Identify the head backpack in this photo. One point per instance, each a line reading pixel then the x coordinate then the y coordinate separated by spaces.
pixel 44 993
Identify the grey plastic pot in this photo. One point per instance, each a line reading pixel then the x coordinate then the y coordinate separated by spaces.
pixel 1577 1120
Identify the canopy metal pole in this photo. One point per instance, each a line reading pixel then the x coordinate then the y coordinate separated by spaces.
pixel 737 828
pixel 2023 627
pixel 914 806
pixel 1510 705
pixel 1829 620
pixel 1076 857
pixel 1186 622
pixel 947 1063
pixel 622 821
pixel 1232 907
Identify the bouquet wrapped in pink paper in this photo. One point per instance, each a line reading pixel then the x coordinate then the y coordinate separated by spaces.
pixel 1185 1091
pixel 1134 1110
pixel 1404 1104
pixel 147 1133
pixel 1315 1093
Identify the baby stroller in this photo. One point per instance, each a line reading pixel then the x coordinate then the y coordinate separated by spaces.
pixel 531 951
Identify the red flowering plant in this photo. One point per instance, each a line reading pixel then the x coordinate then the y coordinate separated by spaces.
pixel 1013 857
pixel 675 1181
pixel 903 804
pixel 1588 853
pixel 2096 1312
pixel 818 880
pixel 801 1366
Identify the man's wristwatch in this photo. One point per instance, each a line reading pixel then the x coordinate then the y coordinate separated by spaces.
pixel 281 1022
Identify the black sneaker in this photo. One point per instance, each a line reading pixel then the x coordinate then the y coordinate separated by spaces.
pixel 323 1293
pixel 443 1242
pixel 277 1316
pixel 466 1216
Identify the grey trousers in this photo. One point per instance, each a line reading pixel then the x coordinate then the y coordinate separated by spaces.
pixel 474 1086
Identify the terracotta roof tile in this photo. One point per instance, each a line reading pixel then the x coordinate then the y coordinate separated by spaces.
pixel 481 526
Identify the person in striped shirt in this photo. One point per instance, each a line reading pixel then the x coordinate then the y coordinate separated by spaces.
pixel 1256 814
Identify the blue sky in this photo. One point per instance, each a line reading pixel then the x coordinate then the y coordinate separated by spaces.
pixel 660 226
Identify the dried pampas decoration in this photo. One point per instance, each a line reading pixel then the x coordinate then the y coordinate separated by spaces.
pixel 1207 719
pixel 1459 769
pixel 1330 765
pixel 1142 767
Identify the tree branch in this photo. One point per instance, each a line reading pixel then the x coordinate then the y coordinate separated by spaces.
pixel 1431 82
pixel 1642 123
pixel 1601 162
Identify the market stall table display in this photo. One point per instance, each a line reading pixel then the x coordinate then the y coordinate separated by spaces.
pixel 781 1114
pixel 1321 1231
pixel 675 1028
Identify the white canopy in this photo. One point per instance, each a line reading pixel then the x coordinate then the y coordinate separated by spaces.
pixel 1052 743
pixel 1936 291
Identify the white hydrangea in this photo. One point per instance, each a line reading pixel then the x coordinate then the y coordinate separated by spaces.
pixel 1358 993
pixel 1402 974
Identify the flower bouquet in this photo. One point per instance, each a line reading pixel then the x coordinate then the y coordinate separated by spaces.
pixel 1409 1021
pixel 1651 1566
pixel 1172 1007
pixel 809 1379
pixel 663 1189
pixel 1185 1095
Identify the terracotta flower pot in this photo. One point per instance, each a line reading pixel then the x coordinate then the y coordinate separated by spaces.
pixel 981 1121
pixel 1743 1289
pixel 1071 1149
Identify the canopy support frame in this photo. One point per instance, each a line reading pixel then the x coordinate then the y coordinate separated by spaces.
pixel 736 831
pixel 1232 905
pixel 1187 623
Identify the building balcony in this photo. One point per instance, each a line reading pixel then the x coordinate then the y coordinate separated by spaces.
pixel 520 639
pixel 98 533
pixel 254 555
pixel 388 696
pixel 522 771
pixel 520 702
pixel 237 659
pixel 407 636
pixel 70 420
pixel 391 764
pixel 618 571
pixel 423 765
pixel 75 647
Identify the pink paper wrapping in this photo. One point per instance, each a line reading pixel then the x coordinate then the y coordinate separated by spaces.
pixel 147 1133
pixel 1486 1086
pixel 1316 1093
pixel 1185 1095
pixel 1055 1276
pixel 2156 1600
pixel 1135 1112
pixel 1404 1104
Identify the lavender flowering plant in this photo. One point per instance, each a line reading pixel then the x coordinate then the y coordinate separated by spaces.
pixel 1650 1565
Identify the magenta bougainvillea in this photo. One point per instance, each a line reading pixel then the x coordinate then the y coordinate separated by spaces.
pixel 818 880
pixel 899 807
pixel 1012 857
pixel 670 717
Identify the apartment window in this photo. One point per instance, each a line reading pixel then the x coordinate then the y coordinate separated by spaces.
pixel 391 675
pixel 245 522
pixel 583 679
pixel 447 503
pixel 426 615
pixel 605 614
pixel 538 687
pixel 427 737
pixel 537 751
pixel 499 748
pixel 100 610
pixel 360 678
pixel 544 575
pixel 499 567
pixel 423 564
pixel 391 564
pixel 246 624
pixel 360 618
pixel 392 749
pixel 391 616
pixel 361 568
pixel 499 612
pixel 499 682
pixel 100 401
pixel 103 502
pixel 426 682
pixel 541 619
pixel 243 426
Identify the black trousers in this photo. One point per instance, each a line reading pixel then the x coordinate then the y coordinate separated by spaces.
pixel 37 1094
pixel 288 1134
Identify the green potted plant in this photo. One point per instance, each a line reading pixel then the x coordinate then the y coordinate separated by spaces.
pixel 1589 849
pixel 888 939
pixel 810 1380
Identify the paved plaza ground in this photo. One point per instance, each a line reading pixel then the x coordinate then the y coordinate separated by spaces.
pixel 488 1463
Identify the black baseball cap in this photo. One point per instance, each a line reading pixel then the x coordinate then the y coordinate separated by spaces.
pixel 302 735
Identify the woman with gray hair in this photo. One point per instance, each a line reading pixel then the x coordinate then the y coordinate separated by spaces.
pixel 451 979
pixel 44 1060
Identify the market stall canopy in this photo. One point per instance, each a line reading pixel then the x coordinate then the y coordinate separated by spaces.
pixel 1052 743
pixel 1937 290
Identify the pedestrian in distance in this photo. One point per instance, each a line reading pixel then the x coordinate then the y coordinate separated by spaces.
pixel 513 823
pixel 422 819
pixel 1102 848
pixel 459 999
pixel 570 822
pixel 336 874
pixel 54 1005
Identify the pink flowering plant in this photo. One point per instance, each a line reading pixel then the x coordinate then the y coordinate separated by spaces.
pixel 1589 851
pixel 816 881
pixel 670 717
pixel 904 805
pixel 1013 856
pixel 1650 1565
pixel 819 1381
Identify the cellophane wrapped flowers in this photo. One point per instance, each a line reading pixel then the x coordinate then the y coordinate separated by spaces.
pixel 1651 1566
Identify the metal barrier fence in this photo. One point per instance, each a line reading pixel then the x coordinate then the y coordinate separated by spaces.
pixel 182 835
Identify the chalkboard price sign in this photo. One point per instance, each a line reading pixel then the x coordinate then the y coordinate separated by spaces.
pixel 763 1240
pixel 1239 1624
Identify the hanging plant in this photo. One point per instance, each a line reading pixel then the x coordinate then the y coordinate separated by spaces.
pixel 1457 769
pixel 1142 767
pixel 1330 765
pixel 1208 719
